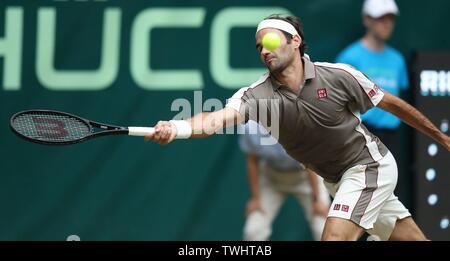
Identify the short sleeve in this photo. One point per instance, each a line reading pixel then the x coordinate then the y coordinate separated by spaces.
pixel 244 102
pixel 363 92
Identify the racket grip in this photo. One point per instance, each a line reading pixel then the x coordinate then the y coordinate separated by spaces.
pixel 140 131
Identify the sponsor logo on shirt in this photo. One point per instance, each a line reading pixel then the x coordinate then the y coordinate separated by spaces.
pixel 374 91
pixel 322 93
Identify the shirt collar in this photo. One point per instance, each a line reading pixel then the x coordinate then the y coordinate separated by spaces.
pixel 309 71
pixel 309 68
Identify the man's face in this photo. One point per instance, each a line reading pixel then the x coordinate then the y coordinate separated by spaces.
pixel 381 27
pixel 278 59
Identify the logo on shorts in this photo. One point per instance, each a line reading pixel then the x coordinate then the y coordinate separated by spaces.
pixel 322 93
pixel 345 208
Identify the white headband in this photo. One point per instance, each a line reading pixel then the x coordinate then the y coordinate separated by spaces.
pixel 277 24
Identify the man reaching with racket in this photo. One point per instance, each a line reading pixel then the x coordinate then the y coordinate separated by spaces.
pixel 319 107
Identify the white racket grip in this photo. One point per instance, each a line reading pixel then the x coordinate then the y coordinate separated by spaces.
pixel 140 131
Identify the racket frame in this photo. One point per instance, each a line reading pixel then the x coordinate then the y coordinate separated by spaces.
pixel 106 129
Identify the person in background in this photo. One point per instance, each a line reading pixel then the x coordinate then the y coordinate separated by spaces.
pixel 386 67
pixel 273 175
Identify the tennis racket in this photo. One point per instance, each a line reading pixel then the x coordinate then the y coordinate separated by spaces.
pixel 61 128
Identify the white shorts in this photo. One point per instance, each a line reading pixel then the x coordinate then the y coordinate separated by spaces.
pixel 365 195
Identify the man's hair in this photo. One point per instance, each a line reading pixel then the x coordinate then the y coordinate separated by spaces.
pixel 297 23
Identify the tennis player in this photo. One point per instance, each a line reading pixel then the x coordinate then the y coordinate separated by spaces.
pixel 319 107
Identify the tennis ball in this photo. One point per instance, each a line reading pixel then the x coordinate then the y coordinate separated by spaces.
pixel 271 41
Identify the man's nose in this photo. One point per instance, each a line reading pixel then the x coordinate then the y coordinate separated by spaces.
pixel 265 52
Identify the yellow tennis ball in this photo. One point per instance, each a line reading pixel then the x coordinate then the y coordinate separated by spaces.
pixel 271 41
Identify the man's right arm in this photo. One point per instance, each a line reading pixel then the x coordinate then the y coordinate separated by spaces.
pixel 201 125
pixel 205 124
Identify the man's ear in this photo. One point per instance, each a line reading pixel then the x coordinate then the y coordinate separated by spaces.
pixel 297 40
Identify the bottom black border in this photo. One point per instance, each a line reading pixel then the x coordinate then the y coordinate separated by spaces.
pixel 221 249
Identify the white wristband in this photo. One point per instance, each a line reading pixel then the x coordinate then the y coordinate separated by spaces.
pixel 184 129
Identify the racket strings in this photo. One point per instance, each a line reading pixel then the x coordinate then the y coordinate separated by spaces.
pixel 52 127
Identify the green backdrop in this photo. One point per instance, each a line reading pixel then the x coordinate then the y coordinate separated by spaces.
pixel 107 61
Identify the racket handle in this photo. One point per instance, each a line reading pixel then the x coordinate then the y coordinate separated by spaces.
pixel 140 131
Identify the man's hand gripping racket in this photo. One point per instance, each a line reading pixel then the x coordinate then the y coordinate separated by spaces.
pixel 164 133
pixel 60 128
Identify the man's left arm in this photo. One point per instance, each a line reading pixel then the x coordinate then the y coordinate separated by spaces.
pixel 413 117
